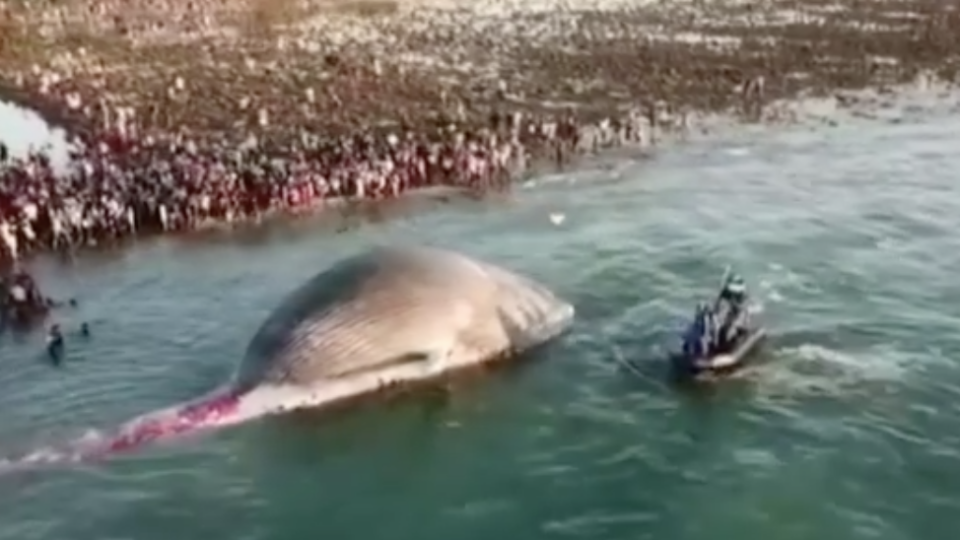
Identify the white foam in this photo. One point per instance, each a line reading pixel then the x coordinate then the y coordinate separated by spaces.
pixel 23 131
pixel 738 152
pixel 811 369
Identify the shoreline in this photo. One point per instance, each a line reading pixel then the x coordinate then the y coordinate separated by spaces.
pixel 500 88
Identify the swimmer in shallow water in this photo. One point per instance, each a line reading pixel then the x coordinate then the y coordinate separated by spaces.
pixel 84 329
pixel 55 343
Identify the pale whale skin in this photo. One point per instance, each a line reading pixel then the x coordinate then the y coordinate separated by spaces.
pixel 382 318
pixel 394 314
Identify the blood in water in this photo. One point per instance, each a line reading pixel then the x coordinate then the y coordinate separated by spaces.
pixel 187 419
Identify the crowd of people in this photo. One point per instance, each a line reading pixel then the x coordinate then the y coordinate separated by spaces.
pixel 187 115
pixel 124 187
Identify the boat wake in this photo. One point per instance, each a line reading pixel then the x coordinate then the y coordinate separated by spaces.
pixel 816 370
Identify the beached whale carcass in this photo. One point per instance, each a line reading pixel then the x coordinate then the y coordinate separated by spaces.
pixel 397 314
pixel 388 316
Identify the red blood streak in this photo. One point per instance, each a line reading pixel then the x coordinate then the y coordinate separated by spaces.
pixel 187 419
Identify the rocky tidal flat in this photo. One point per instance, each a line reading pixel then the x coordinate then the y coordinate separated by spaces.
pixel 229 69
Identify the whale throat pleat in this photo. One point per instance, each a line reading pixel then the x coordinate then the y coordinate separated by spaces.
pixel 392 306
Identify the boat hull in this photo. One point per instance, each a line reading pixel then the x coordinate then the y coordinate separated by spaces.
pixel 719 365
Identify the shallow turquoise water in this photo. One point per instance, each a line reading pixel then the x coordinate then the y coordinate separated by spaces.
pixel 847 428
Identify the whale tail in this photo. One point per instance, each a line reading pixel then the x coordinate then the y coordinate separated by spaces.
pixel 225 406
pixel 211 411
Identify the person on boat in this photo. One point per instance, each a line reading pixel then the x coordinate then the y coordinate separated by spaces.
pixel 732 312
pixel 701 337
pixel 711 329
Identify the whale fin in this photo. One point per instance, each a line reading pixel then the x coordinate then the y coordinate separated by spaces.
pixel 412 357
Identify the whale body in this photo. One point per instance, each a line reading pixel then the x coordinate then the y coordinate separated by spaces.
pixel 386 317
pixel 394 314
